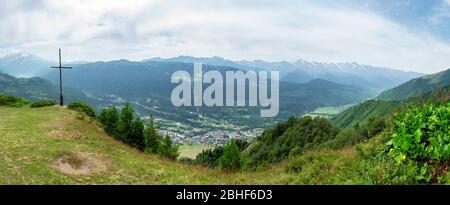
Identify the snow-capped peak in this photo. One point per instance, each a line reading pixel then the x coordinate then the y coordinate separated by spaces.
pixel 16 54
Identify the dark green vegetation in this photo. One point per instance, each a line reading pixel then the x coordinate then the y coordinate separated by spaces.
pixel 411 148
pixel 43 103
pixel 286 140
pixel 417 87
pixel 292 137
pixel 362 112
pixel 297 136
pixel 126 127
pixel 12 101
pixel 421 139
pixel 229 157
pixel 82 107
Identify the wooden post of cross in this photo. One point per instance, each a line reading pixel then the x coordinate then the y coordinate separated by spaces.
pixel 60 67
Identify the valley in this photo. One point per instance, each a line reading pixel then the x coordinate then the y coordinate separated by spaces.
pixel 341 136
pixel 146 86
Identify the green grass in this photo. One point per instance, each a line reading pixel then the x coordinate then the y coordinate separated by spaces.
pixel 43 103
pixel 32 140
pixel 191 151
pixel 362 112
pixel 327 112
pixel 35 142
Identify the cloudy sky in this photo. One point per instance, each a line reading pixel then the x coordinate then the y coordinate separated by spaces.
pixel 404 34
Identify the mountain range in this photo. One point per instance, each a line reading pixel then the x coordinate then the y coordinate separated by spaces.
pixel 23 64
pixel 429 88
pixel 417 86
pixel 147 86
pixel 375 79
pixel 304 87
pixel 369 77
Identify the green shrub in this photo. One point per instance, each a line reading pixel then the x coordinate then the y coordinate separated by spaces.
pixel 421 135
pixel 110 118
pixel 209 157
pixel 152 137
pixel 231 158
pixel 168 149
pixel 82 107
pixel 128 128
pixel 43 103
pixel 12 101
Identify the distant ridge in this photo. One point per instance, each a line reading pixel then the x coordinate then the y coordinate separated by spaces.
pixel 418 86
pixel 373 78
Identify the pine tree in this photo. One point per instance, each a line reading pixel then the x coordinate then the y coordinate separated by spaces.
pixel 168 149
pixel 152 137
pixel 231 158
pixel 136 135
pixel 110 117
pixel 126 123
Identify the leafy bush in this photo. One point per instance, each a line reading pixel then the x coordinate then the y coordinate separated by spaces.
pixel 12 101
pixel 168 149
pixel 124 126
pixel 209 157
pixel 82 107
pixel 135 136
pixel 231 158
pixel 110 118
pixel 357 134
pixel 43 103
pixel 422 137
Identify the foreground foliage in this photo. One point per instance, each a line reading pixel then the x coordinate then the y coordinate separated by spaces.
pixel 82 107
pixel 422 138
pixel 43 103
pixel 12 101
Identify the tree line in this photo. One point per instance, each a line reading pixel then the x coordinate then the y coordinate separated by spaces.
pixel 123 125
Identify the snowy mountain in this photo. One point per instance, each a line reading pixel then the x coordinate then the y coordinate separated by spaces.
pixel 374 78
pixel 23 64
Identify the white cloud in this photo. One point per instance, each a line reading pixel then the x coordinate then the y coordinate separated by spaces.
pixel 102 30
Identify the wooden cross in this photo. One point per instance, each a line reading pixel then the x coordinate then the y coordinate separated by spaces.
pixel 61 98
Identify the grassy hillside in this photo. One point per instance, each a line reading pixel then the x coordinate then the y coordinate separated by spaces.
pixel 37 89
pixel 417 86
pixel 53 145
pixel 362 112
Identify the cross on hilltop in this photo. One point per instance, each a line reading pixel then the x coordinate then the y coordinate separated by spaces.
pixel 60 67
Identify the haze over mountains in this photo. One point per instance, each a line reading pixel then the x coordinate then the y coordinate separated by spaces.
pixel 370 77
pixel 23 64
pixel 304 87
pixel 376 79
pixel 417 86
